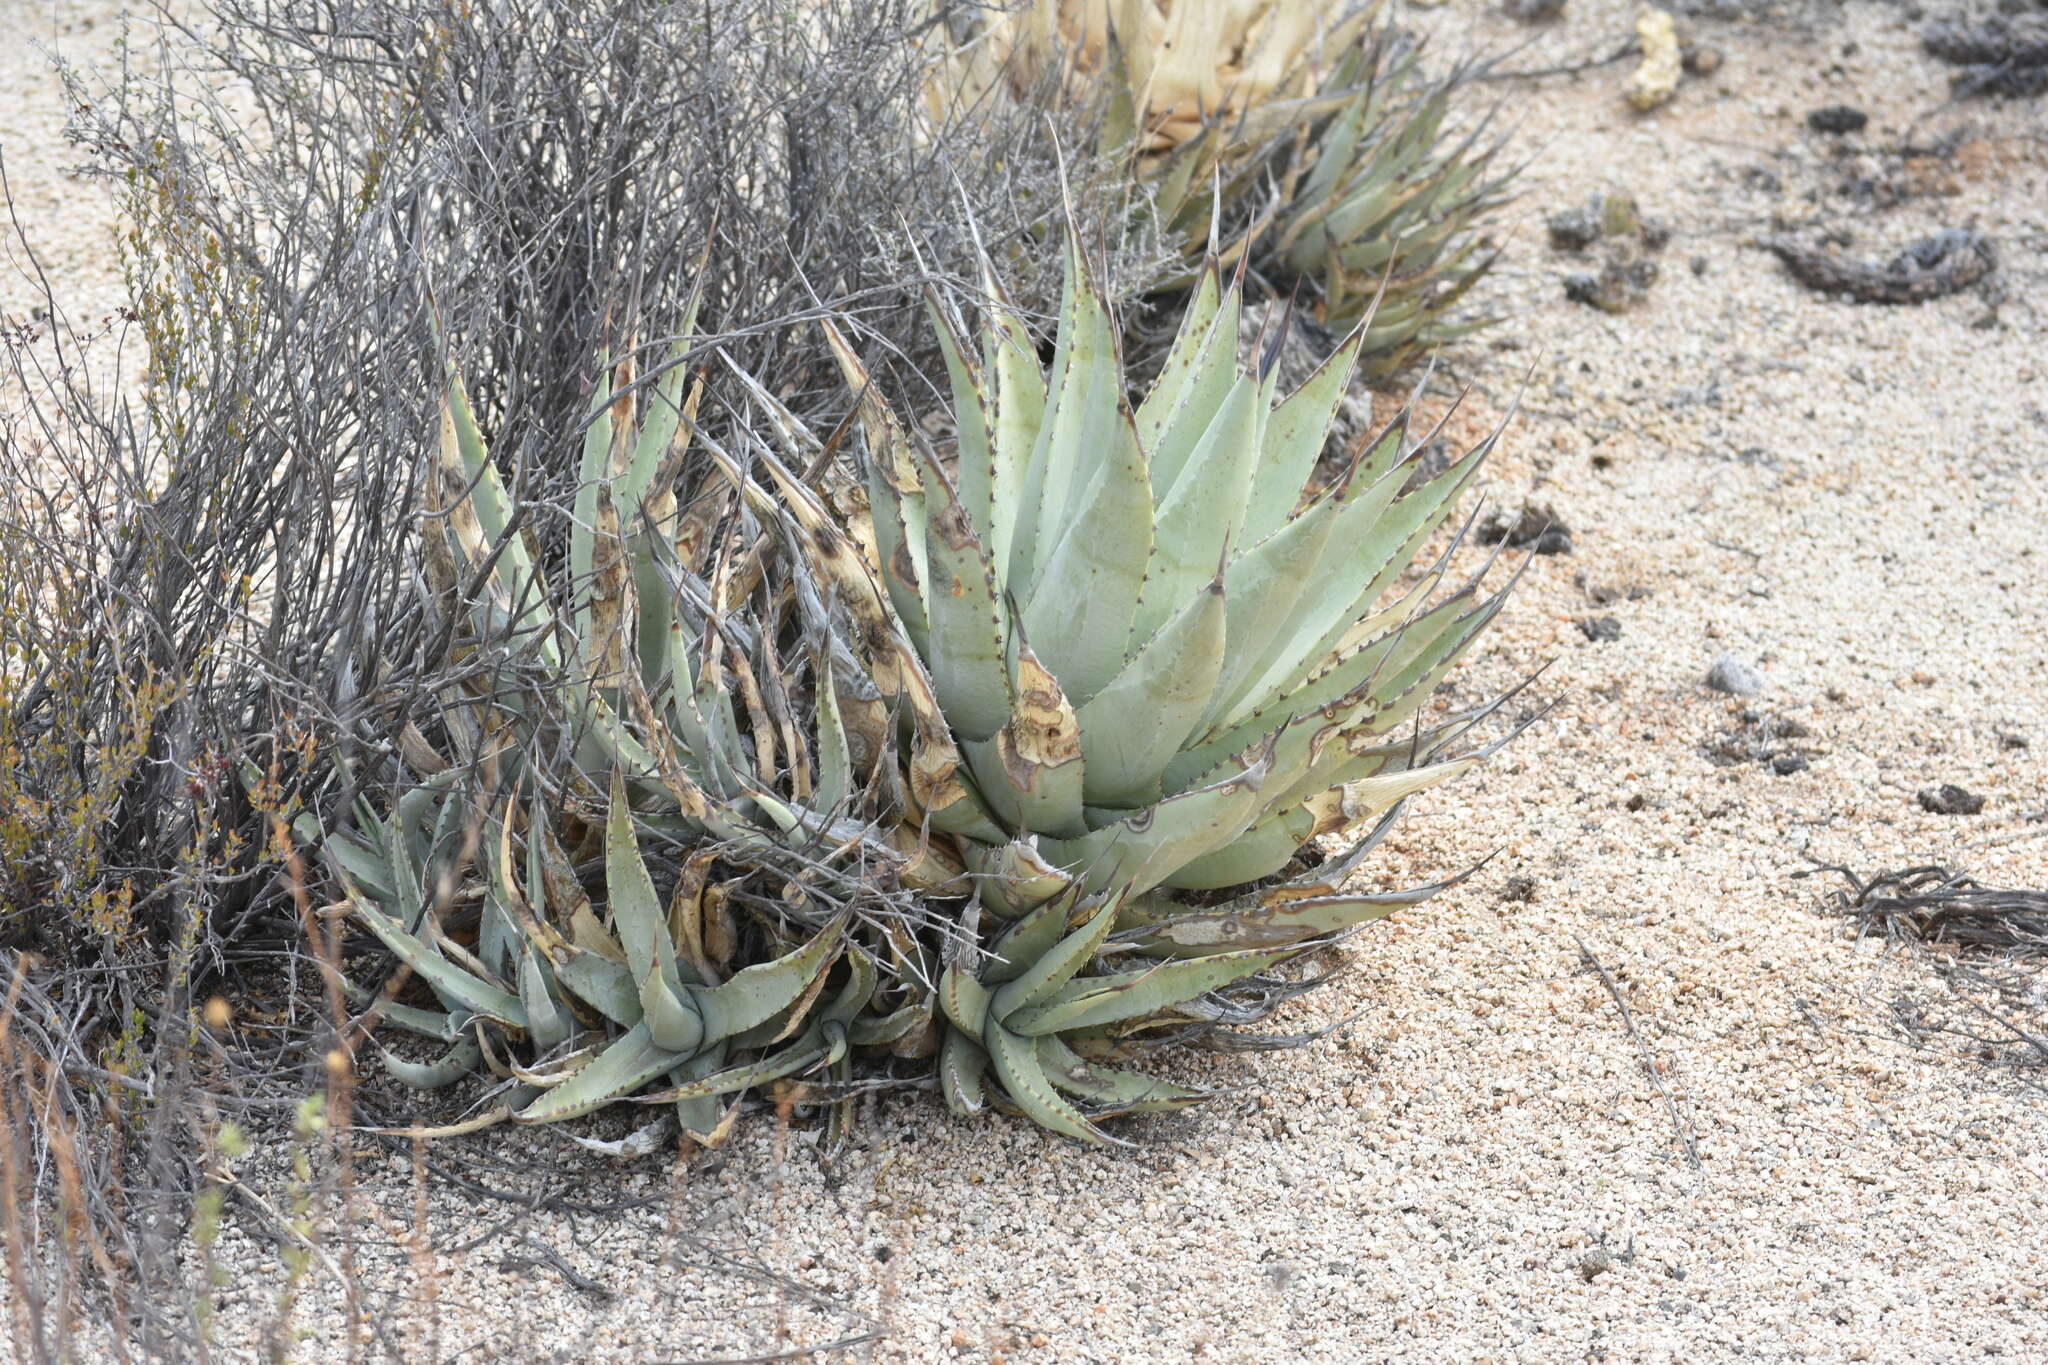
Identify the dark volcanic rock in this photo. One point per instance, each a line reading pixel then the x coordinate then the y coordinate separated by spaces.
pixel 1837 118
pixel 1949 799
pixel 1536 528
pixel 1930 268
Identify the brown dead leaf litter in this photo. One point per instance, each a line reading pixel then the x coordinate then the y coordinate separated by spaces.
pixel 1487 1164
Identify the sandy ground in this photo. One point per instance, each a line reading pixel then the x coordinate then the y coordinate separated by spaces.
pixel 70 227
pixel 1484 1164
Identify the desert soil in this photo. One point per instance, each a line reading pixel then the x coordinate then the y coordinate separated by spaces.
pixel 1794 1156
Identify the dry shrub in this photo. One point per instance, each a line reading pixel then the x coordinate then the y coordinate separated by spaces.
pixel 209 612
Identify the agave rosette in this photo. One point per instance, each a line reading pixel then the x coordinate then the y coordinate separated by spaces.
pixel 678 711
pixel 1186 63
pixel 1312 141
pixel 1166 662
pixel 1100 678
pixel 1359 190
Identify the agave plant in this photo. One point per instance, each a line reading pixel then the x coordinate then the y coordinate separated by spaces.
pixel 1187 63
pixel 640 667
pixel 1361 194
pixel 1167 663
pixel 1314 144
pixel 1099 680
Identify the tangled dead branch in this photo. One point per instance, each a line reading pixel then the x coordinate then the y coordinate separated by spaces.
pixel 1998 939
pixel 1935 904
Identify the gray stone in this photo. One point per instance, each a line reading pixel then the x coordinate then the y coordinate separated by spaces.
pixel 1731 675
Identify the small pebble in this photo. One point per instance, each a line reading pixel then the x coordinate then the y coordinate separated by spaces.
pixel 1784 765
pixel 1599 629
pixel 1574 229
pixel 1731 675
pixel 1837 118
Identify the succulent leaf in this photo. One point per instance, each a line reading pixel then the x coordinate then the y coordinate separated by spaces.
pixel 1211 383
pixel 1019 947
pixel 1016 1064
pixel 632 1060
pixel 636 912
pixel 834 781
pixel 967 650
pixel 1020 402
pixel 1080 610
pixel 758 993
pixel 549 1024
pixel 1110 1090
pixel 1203 513
pixel 1262 587
pixel 456 986
pixel 1133 727
pixel 962 1060
pixel 1093 1001
pixel 965 1000
pixel 1190 354
pixel 1055 967
pixel 606 986
pixel 1138 853
pixel 1084 402
pixel 971 418
pixel 451 1066
pixel 1295 435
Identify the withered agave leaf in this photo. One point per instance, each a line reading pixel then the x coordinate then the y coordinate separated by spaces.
pixel 1183 66
pixel 1030 772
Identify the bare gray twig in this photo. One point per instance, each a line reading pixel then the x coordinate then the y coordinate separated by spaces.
pixel 1678 1120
